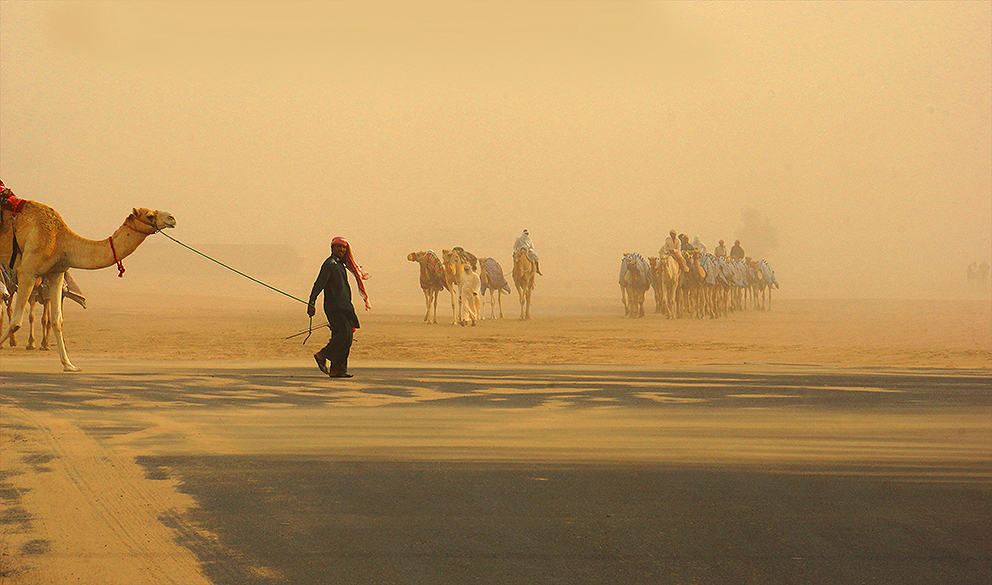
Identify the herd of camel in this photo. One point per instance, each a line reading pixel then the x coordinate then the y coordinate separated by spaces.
pixel 468 278
pixel 38 247
pixel 702 285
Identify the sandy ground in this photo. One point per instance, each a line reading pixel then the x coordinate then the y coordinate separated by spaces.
pixel 864 333
pixel 76 506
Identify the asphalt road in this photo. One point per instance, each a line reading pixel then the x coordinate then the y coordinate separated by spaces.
pixel 533 475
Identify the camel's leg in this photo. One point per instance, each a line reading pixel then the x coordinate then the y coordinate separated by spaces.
pixel 31 305
pixel 8 306
pixel 427 297
pixel 499 298
pixel 20 302
pixel 454 310
pixel 529 290
pixel 46 324
pixel 55 284
pixel 10 319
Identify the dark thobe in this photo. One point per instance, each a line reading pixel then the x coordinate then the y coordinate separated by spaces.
pixel 333 282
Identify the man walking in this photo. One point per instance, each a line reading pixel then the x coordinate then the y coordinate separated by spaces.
pixel 341 318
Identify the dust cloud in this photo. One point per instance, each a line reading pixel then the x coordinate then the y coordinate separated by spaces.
pixel 849 144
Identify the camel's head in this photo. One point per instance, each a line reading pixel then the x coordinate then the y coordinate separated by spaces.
pixel 153 218
pixel 412 256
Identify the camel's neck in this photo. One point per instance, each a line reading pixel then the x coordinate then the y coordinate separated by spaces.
pixel 95 254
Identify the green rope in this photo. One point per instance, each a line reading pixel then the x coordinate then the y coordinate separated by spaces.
pixel 233 269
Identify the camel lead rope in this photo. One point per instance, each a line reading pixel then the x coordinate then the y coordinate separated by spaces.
pixel 215 261
pixel 251 278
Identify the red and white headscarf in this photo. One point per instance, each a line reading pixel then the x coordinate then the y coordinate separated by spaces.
pixel 355 268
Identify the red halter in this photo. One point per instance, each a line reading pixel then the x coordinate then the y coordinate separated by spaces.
pixel 120 263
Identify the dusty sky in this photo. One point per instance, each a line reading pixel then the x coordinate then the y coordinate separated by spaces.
pixel 860 132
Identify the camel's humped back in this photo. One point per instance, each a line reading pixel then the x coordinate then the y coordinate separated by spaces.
pixel 41 216
pixel 40 231
pixel 42 228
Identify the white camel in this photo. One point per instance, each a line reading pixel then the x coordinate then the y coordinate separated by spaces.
pixel 669 277
pixel 47 248
pixel 524 270
pixel 454 264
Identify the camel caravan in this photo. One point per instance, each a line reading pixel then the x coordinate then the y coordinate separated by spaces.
pixel 468 278
pixel 39 248
pixel 690 282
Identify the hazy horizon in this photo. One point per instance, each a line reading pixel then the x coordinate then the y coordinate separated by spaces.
pixel 849 144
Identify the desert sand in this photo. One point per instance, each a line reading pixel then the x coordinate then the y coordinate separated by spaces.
pixel 79 508
pixel 841 333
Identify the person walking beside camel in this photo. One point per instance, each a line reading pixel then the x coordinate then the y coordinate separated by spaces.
pixel 341 317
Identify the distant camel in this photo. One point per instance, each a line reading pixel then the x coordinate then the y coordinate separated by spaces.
pixel 524 270
pixel 659 301
pixel 762 281
pixel 454 264
pixel 493 280
pixel 48 248
pixel 693 292
pixel 669 275
pixel 468 291
pixel 432 279
pixel 635 280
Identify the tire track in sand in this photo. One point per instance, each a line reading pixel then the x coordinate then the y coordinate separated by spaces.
pixel 93 517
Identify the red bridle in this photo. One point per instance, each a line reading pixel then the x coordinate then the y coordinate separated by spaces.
pixel 120 263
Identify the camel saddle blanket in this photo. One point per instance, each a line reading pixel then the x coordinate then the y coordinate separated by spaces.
pixel 643 278
pixel 767 273
pixel 494 276
pixel 434 278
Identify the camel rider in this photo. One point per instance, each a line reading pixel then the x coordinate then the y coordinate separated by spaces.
pixel 698 245
pixel 686 246
pixel 721 250
pixel 525 243
pixel 736 251
pixel 673 247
